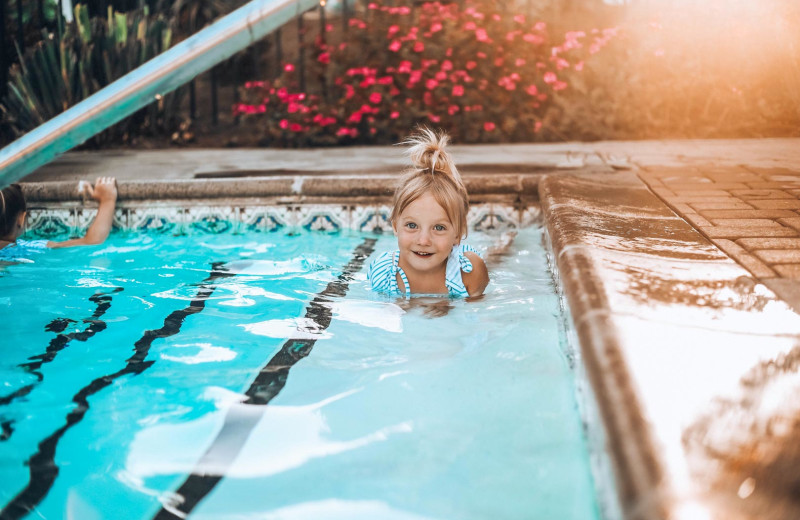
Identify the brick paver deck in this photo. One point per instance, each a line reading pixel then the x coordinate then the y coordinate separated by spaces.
pixel 752 214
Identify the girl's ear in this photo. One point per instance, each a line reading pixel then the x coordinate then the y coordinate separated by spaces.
pixel 394 227
pixel 21 218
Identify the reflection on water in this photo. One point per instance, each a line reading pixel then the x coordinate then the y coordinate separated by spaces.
pixel 749 446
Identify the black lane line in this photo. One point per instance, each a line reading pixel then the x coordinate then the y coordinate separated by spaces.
pixel 58 343
pixel 269 381
pixel 42 465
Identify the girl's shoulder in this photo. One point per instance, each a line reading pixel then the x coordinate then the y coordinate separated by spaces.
pixel 21 250
pixel 382 271
pixel 459 255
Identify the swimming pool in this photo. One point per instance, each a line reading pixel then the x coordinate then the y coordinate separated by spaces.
pixel 254 375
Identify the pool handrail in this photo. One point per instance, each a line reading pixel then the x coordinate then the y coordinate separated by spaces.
pixel 145 84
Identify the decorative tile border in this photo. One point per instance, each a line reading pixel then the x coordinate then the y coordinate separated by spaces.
pixel 49 222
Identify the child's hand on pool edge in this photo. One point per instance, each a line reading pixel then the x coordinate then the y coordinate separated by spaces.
pixel 104 189
pixel 104 192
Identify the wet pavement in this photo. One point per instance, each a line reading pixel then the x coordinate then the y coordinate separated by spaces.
pixel 680 261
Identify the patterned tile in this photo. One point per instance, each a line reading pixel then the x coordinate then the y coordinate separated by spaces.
pixel 156 220
pixel 211 220
pixel 373 219
pixel 327 218
pixel 85 216
pixel 483 217
pixel 265 218
pixel 531 216
pixel 50 223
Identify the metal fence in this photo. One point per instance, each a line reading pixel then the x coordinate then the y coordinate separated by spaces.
pixel 24 23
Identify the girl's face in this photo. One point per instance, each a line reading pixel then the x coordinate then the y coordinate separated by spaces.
pixel 425 235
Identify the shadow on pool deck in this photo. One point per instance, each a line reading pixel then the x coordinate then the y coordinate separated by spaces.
pixel 681 264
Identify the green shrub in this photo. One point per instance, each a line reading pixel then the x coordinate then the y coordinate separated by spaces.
pixel 92 53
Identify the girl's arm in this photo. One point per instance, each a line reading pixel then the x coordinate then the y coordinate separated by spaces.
pixel 105 193
pixel 476 280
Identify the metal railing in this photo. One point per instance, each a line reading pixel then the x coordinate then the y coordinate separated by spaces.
pixel 148 83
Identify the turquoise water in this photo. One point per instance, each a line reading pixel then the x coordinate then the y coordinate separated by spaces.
pixel 284 398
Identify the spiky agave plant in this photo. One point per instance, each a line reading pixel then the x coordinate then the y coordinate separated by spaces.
pixel 92 53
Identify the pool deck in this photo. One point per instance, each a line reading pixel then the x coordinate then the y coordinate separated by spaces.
pixel 680 261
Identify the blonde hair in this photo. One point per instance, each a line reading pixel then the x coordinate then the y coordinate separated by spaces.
pixel 433 172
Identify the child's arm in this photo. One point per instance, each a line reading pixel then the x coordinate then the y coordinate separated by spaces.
pixel 476 280
pixel 105 193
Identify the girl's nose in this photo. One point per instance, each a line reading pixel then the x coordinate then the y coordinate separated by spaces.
pixel 424 238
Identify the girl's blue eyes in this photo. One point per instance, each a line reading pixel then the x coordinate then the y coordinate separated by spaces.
pixel 437 227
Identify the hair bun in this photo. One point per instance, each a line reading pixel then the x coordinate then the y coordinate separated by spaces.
pixel 426 149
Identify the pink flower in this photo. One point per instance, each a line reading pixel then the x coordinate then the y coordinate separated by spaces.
pixel 394 115
pixel 533 38
pixel 519 62
pixel 520 18
pixel 372 5
pixel 579 66
pixel 540 26
pixel 375 98
pixel 561 63
pixel 559 85
pixel 288 67
pixel 532 90
pixel 447 65
pixel 436 27
pixel 349 91
pixel 458 90
pixel 419 47
pixel 434 118
pixel 385 80
pixel 452 109
pixel 395 45
pixel 393 29
pixel 537 126
pixel 296 127
pixel 471 65
pixel 550 77
pixel 470 26
pixel 489 126
pixel 355 117
pixel 431 84
pixel 324 58
pixel 284 124
pixel 405 66
pixel 440 76
pixel 481 35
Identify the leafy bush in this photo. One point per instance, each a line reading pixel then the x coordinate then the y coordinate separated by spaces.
pixel 55 75
pixel 482 74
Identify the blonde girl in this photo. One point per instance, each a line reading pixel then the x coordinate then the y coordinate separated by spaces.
pixel 429 218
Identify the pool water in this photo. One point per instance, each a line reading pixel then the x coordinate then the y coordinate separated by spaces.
pixel 256 376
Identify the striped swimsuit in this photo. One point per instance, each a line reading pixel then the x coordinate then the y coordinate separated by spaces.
pixel 382 274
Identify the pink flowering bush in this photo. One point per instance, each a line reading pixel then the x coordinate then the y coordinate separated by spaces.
pixel 481 74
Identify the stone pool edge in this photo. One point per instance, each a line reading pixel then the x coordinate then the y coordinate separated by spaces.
pixel 635 463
